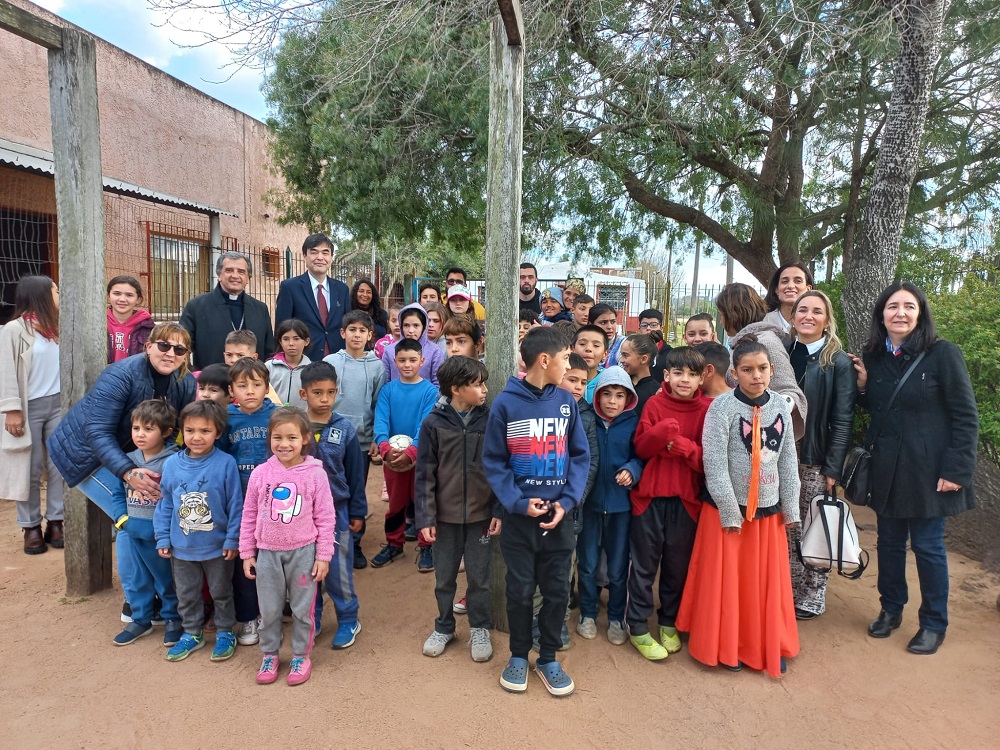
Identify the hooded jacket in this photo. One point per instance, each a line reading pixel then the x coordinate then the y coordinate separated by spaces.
pixel 450 484
pixel 783 378
pixel 535 446
pixel 286 380
pixel 678 471
pixel 341 455
pixel 287 508
pixel 358 384
pixel 130 337
pixel 615 446
pixel 432 354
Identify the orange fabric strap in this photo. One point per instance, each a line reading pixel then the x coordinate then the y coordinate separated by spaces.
pixel 754 495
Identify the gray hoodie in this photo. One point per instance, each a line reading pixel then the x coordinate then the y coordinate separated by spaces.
pixel 358 382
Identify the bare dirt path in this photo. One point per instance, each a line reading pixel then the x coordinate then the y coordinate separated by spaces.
pixel 64 685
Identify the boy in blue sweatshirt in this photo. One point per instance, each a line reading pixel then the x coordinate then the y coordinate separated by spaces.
pixel 607 510
pixel 361 377
pixel 402 405
pixel 197 528
pixel 245 439
pixel 536 458
pixel 149 577
pixel 342 457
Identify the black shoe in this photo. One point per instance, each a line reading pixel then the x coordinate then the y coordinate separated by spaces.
pixel 801 614
pixel 410 532
pixel 883 625
pixel 925 642
pixel 360 561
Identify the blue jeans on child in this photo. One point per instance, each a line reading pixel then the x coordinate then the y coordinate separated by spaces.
pixel 340 580
pixel 100 487
pixel 607 531
pixel 927 542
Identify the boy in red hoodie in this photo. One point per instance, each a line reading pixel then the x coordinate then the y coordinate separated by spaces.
pixel 665 503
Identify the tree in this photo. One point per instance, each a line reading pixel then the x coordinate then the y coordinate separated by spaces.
pixel 636 112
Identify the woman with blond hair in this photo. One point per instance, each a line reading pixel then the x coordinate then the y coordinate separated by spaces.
pixel 90 445
pixel 827 377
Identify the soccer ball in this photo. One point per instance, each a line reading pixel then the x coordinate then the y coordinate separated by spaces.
pixel 400 442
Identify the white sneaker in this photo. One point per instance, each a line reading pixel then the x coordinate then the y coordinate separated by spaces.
pixel 482 646
pixel 616 633
pixel 435 643
pixel 247 635
pixel 587 628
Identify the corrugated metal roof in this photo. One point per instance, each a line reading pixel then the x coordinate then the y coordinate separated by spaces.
pixel 40 162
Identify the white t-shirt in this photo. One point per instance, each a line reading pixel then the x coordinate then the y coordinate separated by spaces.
pixel 43 377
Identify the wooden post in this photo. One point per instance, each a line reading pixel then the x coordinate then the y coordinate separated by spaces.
pixel 503 226
pixel 76 149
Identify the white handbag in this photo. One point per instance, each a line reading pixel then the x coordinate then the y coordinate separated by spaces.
pixel 830 538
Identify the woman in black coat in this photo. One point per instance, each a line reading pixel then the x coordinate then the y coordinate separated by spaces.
pixel 827 378
pixel 923 455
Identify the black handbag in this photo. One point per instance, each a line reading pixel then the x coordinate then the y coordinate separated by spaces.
pixel 856 476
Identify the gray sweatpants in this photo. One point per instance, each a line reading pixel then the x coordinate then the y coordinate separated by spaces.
pixel 455 540
pixel 280 575
pixel 44 415
pixel 189 577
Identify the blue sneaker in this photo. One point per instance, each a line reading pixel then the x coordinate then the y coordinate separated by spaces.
pixel 555 679
pixel 347 633
pixel 410 532
pixel 425 560
pixel 173 634
pixel 186 646
pixel 132 632
pixel 225 645
pixel 386 556
pixel 514 678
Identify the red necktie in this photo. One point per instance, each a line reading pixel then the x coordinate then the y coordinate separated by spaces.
pixel 324 316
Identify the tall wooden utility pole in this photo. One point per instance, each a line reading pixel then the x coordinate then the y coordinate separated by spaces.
pixel 503 224
pixel 76 154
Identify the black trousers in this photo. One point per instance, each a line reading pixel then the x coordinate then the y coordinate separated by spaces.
pixel 534 559
pixel 661 538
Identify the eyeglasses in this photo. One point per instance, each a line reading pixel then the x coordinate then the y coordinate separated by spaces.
pixel 649 326
pixel 452 282
pixel 164 347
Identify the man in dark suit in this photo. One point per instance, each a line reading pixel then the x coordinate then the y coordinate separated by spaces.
pixel 316 299
pixel 209 318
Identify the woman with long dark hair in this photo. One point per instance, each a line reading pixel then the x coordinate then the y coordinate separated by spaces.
pixel 30 403
pixel 923 454
pixel 786 285
pixel 827 378
pixel 365 297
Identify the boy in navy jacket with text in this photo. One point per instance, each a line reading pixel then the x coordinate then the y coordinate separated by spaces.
pixel 536 459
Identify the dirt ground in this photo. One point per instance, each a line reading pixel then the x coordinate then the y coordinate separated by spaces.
pixel 64 685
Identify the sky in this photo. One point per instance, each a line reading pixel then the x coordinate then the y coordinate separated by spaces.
pixel 132 26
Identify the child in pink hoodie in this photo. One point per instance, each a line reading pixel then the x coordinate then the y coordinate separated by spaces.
pixel 286 535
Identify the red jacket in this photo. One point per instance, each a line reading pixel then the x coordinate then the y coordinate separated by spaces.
pixel 677 472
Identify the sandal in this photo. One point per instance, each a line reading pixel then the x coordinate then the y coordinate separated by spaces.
pixel 555 679
pixel 514 678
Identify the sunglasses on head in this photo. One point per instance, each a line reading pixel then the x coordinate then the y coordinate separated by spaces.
pixel 164 347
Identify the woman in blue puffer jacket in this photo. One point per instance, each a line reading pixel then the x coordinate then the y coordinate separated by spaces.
pixel 89 446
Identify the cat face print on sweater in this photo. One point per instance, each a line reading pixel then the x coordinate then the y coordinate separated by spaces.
pixel 770 438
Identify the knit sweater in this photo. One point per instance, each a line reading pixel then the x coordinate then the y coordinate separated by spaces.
pixel 727 444
pixel 287 508
pixel 199 514
pixel 677 470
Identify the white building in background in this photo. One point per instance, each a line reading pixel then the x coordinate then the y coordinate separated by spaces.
pixel 626 294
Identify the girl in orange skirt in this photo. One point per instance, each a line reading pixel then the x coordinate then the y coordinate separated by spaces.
pixel 737 603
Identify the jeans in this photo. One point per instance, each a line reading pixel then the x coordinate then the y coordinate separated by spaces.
pixel 607 531
pixel 100 488
pixel 339 582
pixel 926 537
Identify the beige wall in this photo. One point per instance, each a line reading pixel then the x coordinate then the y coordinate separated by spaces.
pixel 156 132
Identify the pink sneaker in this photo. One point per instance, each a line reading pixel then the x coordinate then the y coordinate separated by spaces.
pixel 299 670
pixel 268 671
pixel 385 492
